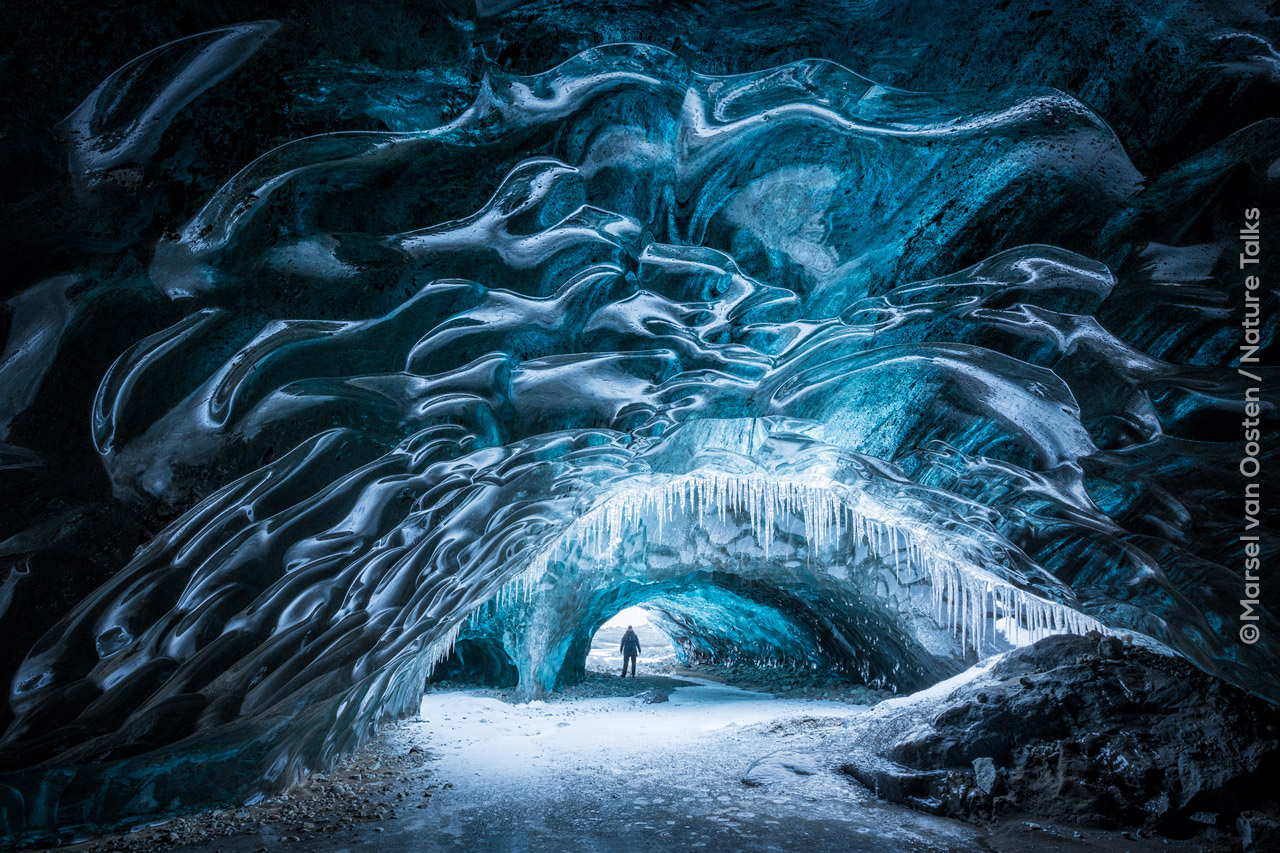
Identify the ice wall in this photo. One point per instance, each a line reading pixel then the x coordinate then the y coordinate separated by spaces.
pixel 890 365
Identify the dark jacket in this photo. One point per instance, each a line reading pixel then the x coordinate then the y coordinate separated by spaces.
pixel 630 643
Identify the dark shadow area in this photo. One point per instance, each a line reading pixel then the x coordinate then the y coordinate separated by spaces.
pixel 481 661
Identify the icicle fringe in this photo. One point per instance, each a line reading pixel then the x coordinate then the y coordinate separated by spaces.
pixel 834 515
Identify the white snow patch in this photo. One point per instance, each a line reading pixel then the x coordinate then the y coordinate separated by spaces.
pixel 566 765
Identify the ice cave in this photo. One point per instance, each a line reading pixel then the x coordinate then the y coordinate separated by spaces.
pixel 904 368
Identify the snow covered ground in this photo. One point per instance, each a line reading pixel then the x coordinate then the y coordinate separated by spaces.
pixel 715 768
pixel 618 774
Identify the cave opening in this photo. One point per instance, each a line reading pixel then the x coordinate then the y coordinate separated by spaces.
pixel 476 661
pixel 698 622
pixel 806 632
pixel 703 621
pixel 658 651
pixel 752 571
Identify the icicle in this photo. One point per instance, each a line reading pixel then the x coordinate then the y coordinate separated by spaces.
pixel 834 528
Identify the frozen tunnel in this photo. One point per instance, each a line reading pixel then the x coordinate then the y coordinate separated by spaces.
pixel 711 617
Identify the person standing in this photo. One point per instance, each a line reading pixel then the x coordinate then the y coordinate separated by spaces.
pixel 630 651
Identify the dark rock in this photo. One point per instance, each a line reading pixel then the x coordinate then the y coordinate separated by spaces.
pixel 1141 741
pixel 1258 833
pixel 986 775
pixel 893 781
pixel 1111 648
pixel 653 697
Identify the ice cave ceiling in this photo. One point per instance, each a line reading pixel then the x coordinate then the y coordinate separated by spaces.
pixel 370 332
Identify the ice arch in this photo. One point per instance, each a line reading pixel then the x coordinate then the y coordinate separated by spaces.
pixel 844 579
pixel 712 616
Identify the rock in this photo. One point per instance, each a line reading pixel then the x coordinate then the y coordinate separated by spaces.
pixel 984 773
pixel 781 766
pixel 1257 833
pixel 1055 732
pixel 1111 648
pixel 653 697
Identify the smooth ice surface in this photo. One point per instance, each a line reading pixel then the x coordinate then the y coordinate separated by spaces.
pixel 826 373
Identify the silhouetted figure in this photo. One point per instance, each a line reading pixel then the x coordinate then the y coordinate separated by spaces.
pixel 630 649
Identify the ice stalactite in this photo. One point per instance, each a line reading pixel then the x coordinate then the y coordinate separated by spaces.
pixel 839 523
pixel 441 647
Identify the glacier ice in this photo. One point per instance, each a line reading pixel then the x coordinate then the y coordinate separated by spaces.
pixel 827 373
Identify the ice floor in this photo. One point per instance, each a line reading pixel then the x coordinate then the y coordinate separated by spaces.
pixel 619 774
pixel 583 774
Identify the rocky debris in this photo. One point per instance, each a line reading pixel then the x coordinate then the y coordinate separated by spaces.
pixel 1021 836
pixel 781 682
pixel 1258 833
pixel 372 785
pixel 653 697
pixel 1111 648
pixel 596 685
pixel 1084 731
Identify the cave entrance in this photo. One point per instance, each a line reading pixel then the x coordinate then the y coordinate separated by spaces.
pixel 705 622
pixel 754 571
pixel 477 661
pixel 658 653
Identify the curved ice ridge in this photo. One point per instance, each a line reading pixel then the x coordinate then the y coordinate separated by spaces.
pixel 696 124
pixel 122 120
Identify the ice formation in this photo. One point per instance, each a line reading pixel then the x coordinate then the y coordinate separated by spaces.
pixel 824 372
pixel 964 597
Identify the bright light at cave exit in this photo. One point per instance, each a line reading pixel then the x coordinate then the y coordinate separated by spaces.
pixel 657 648
pixel 633 616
